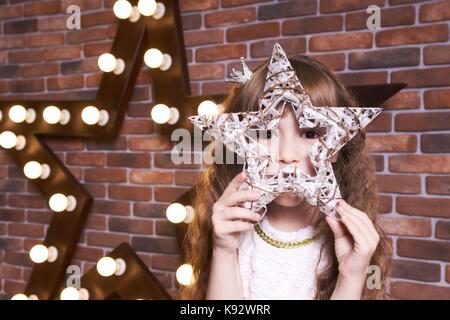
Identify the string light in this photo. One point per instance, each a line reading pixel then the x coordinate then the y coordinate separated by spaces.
pixel 72 293
pixel 151 8
pixel 108 266
pixel 185 274
pixel 154 59
pixel 40 253
pixel 9 140
pixel 108 63
pixel 19 114
pixel 21 296
pixel 163 114
pixel 177 213
pixel 60 202
pixel 207 108
pixel 91 115
pixel 53 115
pixel 34 170
pixel 124 10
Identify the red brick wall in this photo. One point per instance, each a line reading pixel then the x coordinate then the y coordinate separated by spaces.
pixel 132 180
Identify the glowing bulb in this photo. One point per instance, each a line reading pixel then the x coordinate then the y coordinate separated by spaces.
pixel 177 213
pixel 108 63
pixel 71 293
pixel 154 58
pixel 91 115
pixel 1 115
pixel 60 202
pixel 207 108
pixel 18 114
pixel 19 296
pixel 163 114
pixel 185 274
pixel 40 253
pixel 53 114
pixel 147 7
pixel 107 266
pixel 122 9
pixel 9 140
pixel 34 170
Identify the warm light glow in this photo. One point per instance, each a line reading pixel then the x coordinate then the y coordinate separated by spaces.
pixel 176 212
pixel 8 139
pixel 122 9
pixel 40 253
pixel 17 113
pixel 34 170
pixel 107 266
pixel 154 58
pixel 52 114
pixel 207 108
pixel 160 113
pixel 91 115
pixel 107 62
pixel 19 296
pixel 147 7
pixel 58 202
pixel 185 274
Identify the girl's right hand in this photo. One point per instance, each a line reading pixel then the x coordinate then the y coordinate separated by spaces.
pixel 228 219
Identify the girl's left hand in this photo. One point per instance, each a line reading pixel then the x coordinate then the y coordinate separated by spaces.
pixel 355 240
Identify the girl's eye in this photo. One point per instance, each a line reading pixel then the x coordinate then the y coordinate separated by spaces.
pixel 311 134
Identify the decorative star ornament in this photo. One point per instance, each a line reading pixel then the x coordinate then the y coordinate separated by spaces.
pixel 241 133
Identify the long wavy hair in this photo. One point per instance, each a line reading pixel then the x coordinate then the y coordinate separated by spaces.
pixel 354 171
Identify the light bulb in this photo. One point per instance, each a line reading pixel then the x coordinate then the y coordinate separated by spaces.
pixel 107 266
pixel 72 293
pixel 19 114
pixel 34 170
pixel 176 212
pixel 53 114
pixel 108 63
pixel 207 108
pixel 1 115
pixel 19 296
pixel 91 115
pixel 60 202
pixel 163 114
pixel 40 253
pixel 154 58
pixel 9 140
pixel 122 9
pixel 185 274
pixel 147 7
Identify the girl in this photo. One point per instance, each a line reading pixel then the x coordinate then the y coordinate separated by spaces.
pixel 294 251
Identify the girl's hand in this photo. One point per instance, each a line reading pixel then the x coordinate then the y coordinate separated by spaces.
pixel 228 219
pixel 355 241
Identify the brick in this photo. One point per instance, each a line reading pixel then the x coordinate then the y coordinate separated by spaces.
pixel 64 83
pixel 287 9
pixel 66 145
pixel 312 25
pixel 186 177
pixel 264 48
pixel 401 57
pixel 203 37
pixel 422 121
pixel 412 35
pixel 416 270
pixel 169 194
pixel 383 122
pixel 85 4
pixel 438 184
pixel 96 190
pixel 79 66
pixel 132 127
pixel 216 53
pixel 135 226
pixel 424 249
pixel 436 99
pixel 103 239
pixel 332 61
pixel 256 31
pixel 164 160
pixel 435 143
pixel 45 40
pixel 341 41
pixel 118 208
pixel 18 258
pixel 405 226
pixel 206 71
pixel 447 274
pixel 118 144
pixel 98 18
pixel 53 24
pixel 86 158
pixel 155 245
pixel 42 69
pixel 12 42
pixel 392 143
pixel 129 160
pixel 227 17
pixel 25 56
pixel 430 207
pixel 398 183
pixel 16 215
pixel 429 77
pixel 192 21
pixel 105 175
pixel 42 8
pixel 347 5
pixel 157 143
pixel 437 11
pixel 87 254
pixel 165 262
pixel 385 204
pixel 151 177
pixel 130 193
pixel 364 78
pixel 11 11
pixel 443 230
pixel 389 18
pixel 232 3
pixel 379 162
pixel 43 217
pixel 196 5
pixel 87 35
pixel 165 228
pixel 10 71
pixel 403 100
pixel 20 26
pixel 32 85
pixel 437 54
pixel 151 210
pixel 26 230
pixel 10 272
pixel 62 53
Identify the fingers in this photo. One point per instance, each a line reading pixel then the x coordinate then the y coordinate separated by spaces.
pixel 235 183
pixel 239 213
pixel 364 218
pixel 233 198
pixel 235 226
pixel 337 227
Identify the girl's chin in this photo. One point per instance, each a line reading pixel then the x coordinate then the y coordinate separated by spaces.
pixel 288 199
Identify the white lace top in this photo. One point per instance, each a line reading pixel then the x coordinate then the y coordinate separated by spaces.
pixel 269 272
